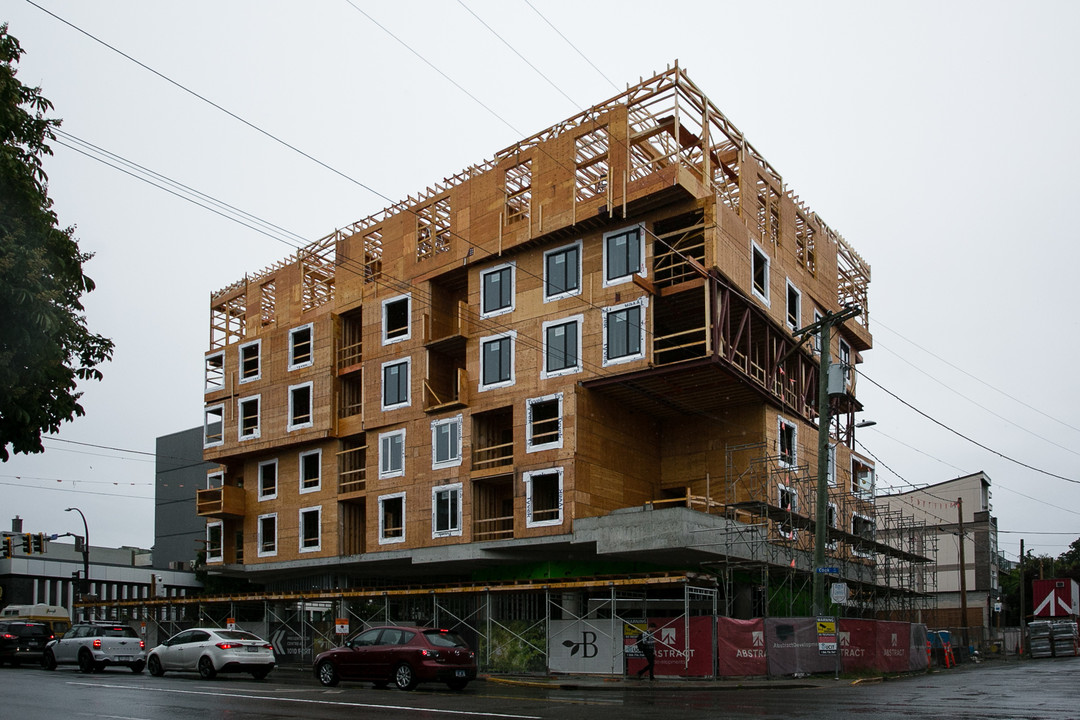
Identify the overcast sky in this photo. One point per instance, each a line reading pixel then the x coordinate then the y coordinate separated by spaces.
pixel 940 139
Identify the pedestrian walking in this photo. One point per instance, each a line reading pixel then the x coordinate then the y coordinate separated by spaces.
pixel 646 643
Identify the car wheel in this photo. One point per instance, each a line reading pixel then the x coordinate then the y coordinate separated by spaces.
pixel 206 668
pixel 48 661
pixel 137 667
pixel 154 665
pixel 328 674
pixel 457 684
pixel 260 674
pixel 404 677
pixel 86 661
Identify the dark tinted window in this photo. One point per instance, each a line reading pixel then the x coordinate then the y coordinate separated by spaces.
pixel 30 630
pixel 117 631
pixel 441 638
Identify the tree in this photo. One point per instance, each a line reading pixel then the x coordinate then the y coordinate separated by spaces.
pixel 45 345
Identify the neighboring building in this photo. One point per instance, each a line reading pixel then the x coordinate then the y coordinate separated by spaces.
pixel 574 359
pixel 179 532
pixel 939 507
pixel 52 577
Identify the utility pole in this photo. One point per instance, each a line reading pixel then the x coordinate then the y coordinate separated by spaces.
pixel 821 515
pixel 963 573
pixel 1023 590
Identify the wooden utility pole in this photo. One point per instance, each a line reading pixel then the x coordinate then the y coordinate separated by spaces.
pixel 963 573
pixel 1023 592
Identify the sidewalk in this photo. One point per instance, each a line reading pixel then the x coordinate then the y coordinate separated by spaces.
pixel 608 682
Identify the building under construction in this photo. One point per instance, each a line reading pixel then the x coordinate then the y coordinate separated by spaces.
pixel 568 376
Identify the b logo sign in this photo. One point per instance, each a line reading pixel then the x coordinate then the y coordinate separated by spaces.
pixel 586 646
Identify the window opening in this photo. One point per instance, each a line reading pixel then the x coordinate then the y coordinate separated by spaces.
pixel 497 290
pixel 794 307
pixel 788 500
pixel 760 283
pixel 267 302
pixel 300 407
pixel 544 423
pixel 213 542
pixel 623 253
pixel 497 361
pixel 396 319
pixel 310 471
pixel 213 426
pixel 561 342
pixel 624 333
pixel 310 536
pixel 864 528
pixel 562 272
pixel 862 479
pixel 392 518
pixel 392 454
pixel 543 497
pixel 446 510
pixel 249 361
pixel 787 433
pixel 396 384
pixel 591 163
pixel 446 442
pixel 300 347
pixel 268 480
pixel 432 229
pixel 267 535
pixel 249 417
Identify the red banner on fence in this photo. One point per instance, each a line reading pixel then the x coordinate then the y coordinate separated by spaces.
pixel 858 644
pixel 676 654
pixel 741 647
pixel 893 646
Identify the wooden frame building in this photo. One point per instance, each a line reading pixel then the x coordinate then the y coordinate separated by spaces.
pixel 516 367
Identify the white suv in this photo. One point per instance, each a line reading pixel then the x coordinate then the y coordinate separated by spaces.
pixel 95 646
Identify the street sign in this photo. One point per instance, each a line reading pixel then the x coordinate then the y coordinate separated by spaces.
pixel 828 570
pixel 838 593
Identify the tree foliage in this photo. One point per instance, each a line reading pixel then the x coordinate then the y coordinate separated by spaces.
pixel 45 345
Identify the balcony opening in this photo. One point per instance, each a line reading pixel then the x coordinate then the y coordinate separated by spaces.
pixel 351 351
pixel 493 439
pixel 352 513
pixel 493 508
pixel 352 465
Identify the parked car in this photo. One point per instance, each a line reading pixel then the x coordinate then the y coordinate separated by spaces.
pixel 404 656
pixel 96 645
pixel 210 651
pixel 55 617
pixel 22 641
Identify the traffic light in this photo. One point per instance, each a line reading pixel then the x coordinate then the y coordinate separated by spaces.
pixel 27 544
pixel 38 543
pixel 9 547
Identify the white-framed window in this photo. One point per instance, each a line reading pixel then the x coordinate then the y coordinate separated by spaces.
pixel 863 481
pixel 311 529
pixel 396 315
pixel 250 361
pixel 213 426
pixel 395 383
pixel 300 410
pixel 446 510
pixel 392 454
pixel 562 346
pixel 816 340
pixel 844 359
pixel 831 518
pixel 830 472
pixel 497 360
pixel 392 518
pixel 302 346
pixel 864 527
pixel 624 254
pixel 543 423
pixel 214 551
pixel 268 479
pixel 215 479
pixel 788 500
pixel 562 272
pixel 214 375
pixel 759 268
pixel 446 442
pixel 267 535
pixel 787 441
pixel 310 471
pixel 794 307
pixel 543 497
pixel 497 290
pixel 624 332
pixel 248 417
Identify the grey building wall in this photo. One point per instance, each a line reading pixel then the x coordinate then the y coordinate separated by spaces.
pixel 179 533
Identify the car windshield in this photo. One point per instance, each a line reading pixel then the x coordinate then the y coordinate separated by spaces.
pixel 442 638
pixel 117 631
pixel 30 630
pixel 237 635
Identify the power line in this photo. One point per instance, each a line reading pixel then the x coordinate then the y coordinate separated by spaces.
pixel 965 437
pixel 572 45
pixel 75 490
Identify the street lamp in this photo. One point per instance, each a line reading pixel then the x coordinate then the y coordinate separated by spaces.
pixel 85 589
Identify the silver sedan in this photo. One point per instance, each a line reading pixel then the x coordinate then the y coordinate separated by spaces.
pixel 210 651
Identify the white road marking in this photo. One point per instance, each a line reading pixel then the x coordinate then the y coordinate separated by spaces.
pixel 473 713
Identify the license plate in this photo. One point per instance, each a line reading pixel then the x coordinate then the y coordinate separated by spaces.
pixel 252 648
pixel 459 673
pixel 123 658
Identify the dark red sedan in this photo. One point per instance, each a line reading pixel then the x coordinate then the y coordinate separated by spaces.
pixel 404 656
